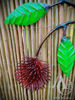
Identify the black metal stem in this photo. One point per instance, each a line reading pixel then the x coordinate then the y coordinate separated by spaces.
pixel 64 25
pixel 69 3
pixel 62 2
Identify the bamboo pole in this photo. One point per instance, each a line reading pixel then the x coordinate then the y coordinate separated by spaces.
pixel 69 78
pixel 61 20
pixel 21 48
pixel 71 39
pixel 2 81
pixel 29 41
pixel 73 80
pixel 40 39
pixel 36 46
pixel 53 40
pixel 66 9
pixel 25 54
pixel 44 49
pixel 49 48
pixel 33 47
pixel 29 53
pixel 56 46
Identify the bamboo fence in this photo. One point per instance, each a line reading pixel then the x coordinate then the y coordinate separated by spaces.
pixel 19 41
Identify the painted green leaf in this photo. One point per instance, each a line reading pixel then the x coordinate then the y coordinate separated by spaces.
pixel 27 14
pixel 66 55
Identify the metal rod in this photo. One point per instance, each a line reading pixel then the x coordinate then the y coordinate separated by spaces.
pixel 64 25
pixel 61 2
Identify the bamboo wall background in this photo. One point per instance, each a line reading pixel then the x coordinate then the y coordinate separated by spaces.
pixel 19 41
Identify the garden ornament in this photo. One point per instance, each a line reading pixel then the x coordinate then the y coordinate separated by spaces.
pixel 33 73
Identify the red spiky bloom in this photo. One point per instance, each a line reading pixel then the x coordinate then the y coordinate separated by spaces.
pixel 32 73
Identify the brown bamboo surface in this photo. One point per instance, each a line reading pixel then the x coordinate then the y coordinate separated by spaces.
pixel 19 41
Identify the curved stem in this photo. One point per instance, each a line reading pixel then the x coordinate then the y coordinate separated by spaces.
pixel 61 2
pixel 49 33
pixel 69 3
pixel 65 27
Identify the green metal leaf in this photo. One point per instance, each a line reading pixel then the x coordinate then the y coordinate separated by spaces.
pixel 27 14
pixel 66 55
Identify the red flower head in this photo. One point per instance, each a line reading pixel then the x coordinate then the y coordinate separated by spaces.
pixel 32 73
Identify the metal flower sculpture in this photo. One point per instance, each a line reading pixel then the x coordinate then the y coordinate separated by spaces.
pixel 33 73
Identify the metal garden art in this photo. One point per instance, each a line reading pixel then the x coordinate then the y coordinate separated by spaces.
pixel 33 73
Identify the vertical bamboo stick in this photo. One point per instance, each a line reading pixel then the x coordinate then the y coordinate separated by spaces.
pixel 61 20
pixel 29 54
pixel 21 47
pixel 2 94
pixel 24 41
pixel 29 44
pixel 53 40
pixel 73 92
pixel 49 49
pixel 37 45
pixel 25 54
pixel 33 47
pixel 2 82
pixel 56 46
pixel 69 78
pixel 44 48
pixel 40 37
pixel 29 41
pixel 21 53
pixel 73 80
pixel 71 38
pixel 67 17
